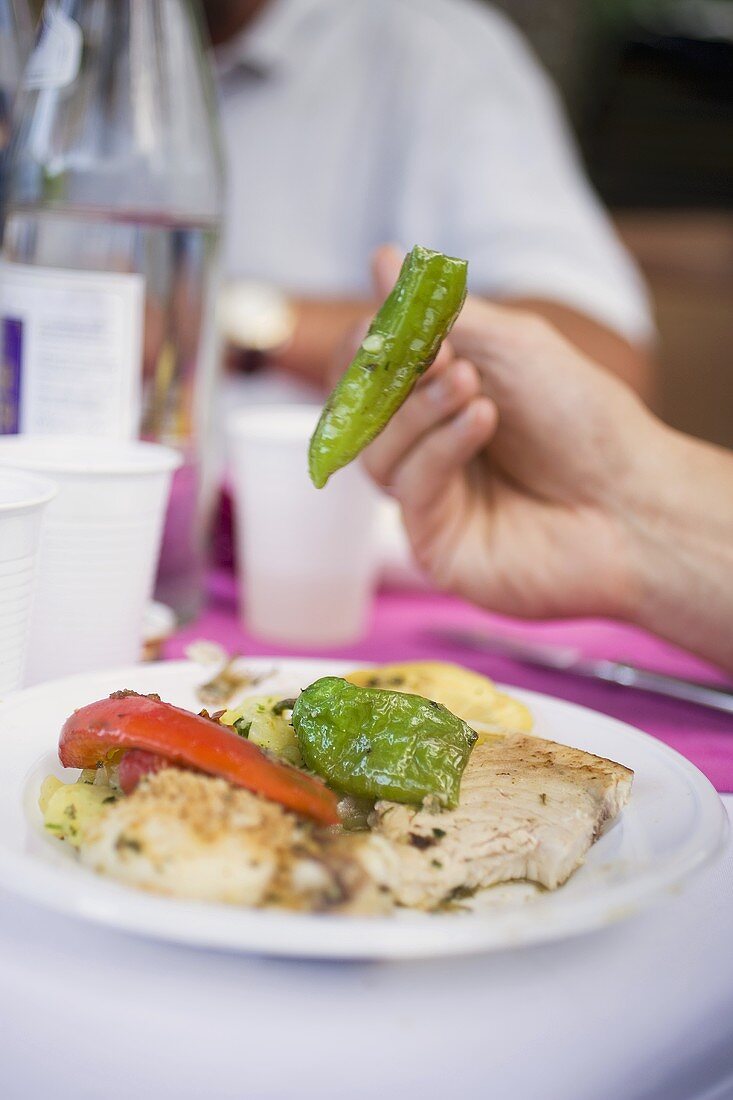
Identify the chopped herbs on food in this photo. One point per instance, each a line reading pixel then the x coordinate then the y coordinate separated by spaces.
pixel 283 705
pixel 417 840
pixel 265 721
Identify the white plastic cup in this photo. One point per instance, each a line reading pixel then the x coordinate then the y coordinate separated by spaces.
pixel 23 499
pixel 306 557
pixel 99 548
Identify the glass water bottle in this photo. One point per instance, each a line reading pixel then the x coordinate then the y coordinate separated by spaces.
pixel 110 254
pixel 15 44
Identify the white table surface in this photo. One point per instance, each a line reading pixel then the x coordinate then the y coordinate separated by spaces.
pixel 641 1011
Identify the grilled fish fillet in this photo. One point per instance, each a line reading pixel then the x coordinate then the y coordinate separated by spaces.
pixel 529 809
pixel 193 836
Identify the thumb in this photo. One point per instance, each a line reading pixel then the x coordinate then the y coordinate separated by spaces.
pixel 512 350
pixel 386 264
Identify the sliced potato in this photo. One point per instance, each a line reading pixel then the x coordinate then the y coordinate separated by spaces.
pixel 264 720
pixel 48 788
pixel 470 696
pixel 72 807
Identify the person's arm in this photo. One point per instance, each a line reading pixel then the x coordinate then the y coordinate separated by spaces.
pixel 322 326
pixel 493 176
pixel 631 362
pixel 684 539
pixel 535 484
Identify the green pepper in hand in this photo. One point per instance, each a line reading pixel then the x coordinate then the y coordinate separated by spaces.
pixel 402 342
pixel 374 743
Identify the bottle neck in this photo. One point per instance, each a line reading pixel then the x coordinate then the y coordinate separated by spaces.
pixel 82 11
pixel 131 33
pixel 16 36
pixel 126 119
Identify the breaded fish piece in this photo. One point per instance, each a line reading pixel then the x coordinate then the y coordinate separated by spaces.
pixel 193 836
pixel 529 809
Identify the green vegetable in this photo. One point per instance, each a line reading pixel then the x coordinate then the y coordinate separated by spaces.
pixel 402 342
pixel 374 743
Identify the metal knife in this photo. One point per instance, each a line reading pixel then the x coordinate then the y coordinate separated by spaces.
pixel 571 660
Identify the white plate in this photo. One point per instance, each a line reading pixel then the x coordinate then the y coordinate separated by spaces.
pixel 674 824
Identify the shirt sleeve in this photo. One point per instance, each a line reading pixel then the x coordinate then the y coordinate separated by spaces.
pixel 491 163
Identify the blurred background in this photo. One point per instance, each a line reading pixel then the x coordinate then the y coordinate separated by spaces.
pixel 320 129
pixel 649 88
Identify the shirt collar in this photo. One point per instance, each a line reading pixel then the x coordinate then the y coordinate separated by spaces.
pixel 272 40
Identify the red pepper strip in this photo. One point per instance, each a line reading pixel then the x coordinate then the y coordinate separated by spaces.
pixel 137 722
pixel 136 764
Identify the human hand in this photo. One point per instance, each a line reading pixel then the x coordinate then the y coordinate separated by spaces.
pixel 520 467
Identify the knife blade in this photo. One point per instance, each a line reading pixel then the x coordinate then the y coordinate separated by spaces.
pixel 570 660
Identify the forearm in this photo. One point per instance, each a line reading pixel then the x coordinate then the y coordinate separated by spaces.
pixel 683 534
pixel 322 326
pixel 631 363
pixel 321 329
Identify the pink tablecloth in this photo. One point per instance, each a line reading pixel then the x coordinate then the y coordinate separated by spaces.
pixel 400 630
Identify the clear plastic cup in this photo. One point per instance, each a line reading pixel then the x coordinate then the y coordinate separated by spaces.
pixel 99 548
pixel 306 557
pixel 23 499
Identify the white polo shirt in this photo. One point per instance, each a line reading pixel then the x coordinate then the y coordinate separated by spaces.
pixel 348 123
